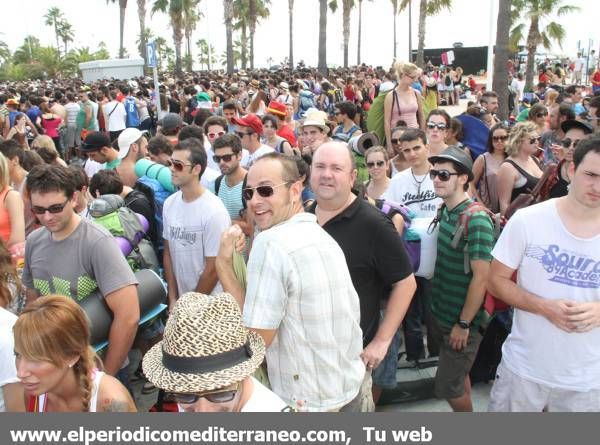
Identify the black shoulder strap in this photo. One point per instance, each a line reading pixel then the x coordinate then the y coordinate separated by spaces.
pixel 243 187
pixel 218 184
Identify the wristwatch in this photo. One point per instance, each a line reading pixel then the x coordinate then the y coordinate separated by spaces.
pixel 464 324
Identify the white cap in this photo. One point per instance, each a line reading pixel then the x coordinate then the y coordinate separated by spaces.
pixel 126 138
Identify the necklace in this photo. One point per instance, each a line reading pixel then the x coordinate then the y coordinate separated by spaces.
pixel 417 182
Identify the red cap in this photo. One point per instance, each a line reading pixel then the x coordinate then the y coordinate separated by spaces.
pixel 249 120
pixel 277 108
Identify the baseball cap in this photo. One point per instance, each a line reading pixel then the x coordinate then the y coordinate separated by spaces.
pixel 171 121
pixel 456 155
pixel 94 141
pixel 572 123
pixel 12 101
pixel 249 120
pixel 126 138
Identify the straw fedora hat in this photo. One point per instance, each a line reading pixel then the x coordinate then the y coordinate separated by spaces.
pixel 315 118
pixel 205 346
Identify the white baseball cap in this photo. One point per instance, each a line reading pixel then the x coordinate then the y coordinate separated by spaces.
pixel 126 138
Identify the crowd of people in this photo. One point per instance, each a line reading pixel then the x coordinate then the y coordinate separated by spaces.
pixel 296 257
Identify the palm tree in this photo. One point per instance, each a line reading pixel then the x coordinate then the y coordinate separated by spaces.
pixel 228 18
pixel 66 34
pixel 122 8
pixel 4 53
pixel 426 8
pixel 347 6
pixel 257 9
pixel 204 49
pixel 241 14
pixel 395 14
pixel 102 53
pixel 291 19
pixel 175 10
pixel 322 65
pixel 143 37
pixel 54 17
pixel 500 84
pixel 27 52
pixel 191 16
pixel 160 45
pixel 534 13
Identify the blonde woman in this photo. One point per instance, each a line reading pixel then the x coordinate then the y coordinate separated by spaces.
pixel 57 366
pixel 44 145
pixel 403 103
pixel 519 173
pixel 378 163
pixel 12 216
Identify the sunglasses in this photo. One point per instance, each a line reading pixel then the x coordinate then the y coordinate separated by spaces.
pixel 373 164
pixel 444 175
pixel 541 114
pixel 219 396
pixel 241 134
pixel 178 166
pixel 499 138
pixel 225 158
pixel 535 140
pixel 395 141
pixel 568 143
pixel 53 209
pixel 215 135
pixel 263 191
pixel 432 125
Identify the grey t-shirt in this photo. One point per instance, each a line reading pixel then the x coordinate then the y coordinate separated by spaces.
pixel 87 262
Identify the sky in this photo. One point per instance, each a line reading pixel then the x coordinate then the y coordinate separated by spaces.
pixel 468 22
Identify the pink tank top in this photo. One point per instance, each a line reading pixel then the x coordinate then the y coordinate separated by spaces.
pixel 4 216
pixel 405 111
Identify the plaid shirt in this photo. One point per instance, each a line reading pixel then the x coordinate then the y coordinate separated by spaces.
pixel 299 285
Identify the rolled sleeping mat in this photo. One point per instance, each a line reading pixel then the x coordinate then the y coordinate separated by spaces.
pixel 151 293
pixel 145 167
pixel 361 143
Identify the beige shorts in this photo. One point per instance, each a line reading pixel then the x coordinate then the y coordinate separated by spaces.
pixel 512 393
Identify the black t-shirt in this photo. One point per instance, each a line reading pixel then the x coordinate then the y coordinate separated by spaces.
pixel 375 256
pixel 140 203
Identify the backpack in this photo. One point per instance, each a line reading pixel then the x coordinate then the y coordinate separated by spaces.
pixel 133 118
pixel 410 239
pixel 218 186
pixel 110 212
pixel 306 102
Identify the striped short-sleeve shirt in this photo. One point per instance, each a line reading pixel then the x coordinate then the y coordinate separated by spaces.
pixel 450 283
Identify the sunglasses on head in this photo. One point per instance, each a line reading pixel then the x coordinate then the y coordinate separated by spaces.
pixel 215 135
pixel 225 158
pixel 377 163
pixel 178 166
pixel 444 175
pixel 219 396
pixel 568 143
pixel 263 190
pixel 535 140
pixel 499 138
pixel 432 125
pixel 56 208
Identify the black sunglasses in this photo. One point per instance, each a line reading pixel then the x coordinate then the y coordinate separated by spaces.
pixel 225 158
pixel 54 209
pixel 220 396
pixel 263 190
pixel 568 142
pixel 432 125
pixel 444 175
pixel 499 138
pixel 535 140
pixel 378 163
pixel 178 165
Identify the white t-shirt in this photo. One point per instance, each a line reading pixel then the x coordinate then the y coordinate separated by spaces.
pixel 72 111
pixel 116 114
pixel 193 230
pixel 8 371
pixel 209 176
pixel 92 167
pixel 262 150
pixel 553 264
pixel 404 189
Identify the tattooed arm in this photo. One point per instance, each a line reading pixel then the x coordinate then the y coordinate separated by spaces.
pixel 113 397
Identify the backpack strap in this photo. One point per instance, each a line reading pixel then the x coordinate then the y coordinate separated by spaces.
pixel 243 187
pixel 218 184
